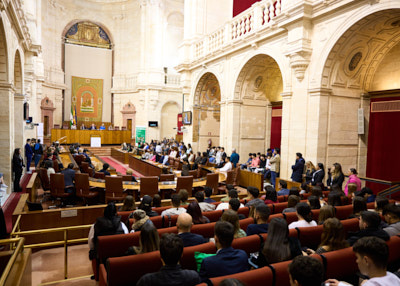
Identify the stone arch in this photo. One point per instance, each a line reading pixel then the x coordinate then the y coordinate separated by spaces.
pixel 206 111
pixel 4 77
pixel 18 101
pixel 169 118
pixel 18 75
pixel 348 37
pixel 129 113
pixel 101 25
pixel 47 108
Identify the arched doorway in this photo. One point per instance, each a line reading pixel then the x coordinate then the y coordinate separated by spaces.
pixel 47 108
pixel 18 103
pixel 206 112
pixel 364 61
pixel 259 87
pixel 169 114
pixel 88 66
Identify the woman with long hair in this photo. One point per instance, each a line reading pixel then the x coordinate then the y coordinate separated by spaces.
pixel 335 175
pixel 304 216
pixel 270 195
pixel 232 217
pixel 197 216
pixel 324 213
pixel 128 204
pixel 380 203
pixel 149 239
pixel 314 203
pixel 278 246
pixel 353 179
pixel 359 205
pixel 332 238
pixel 310 169
pixel 334 199
pixel 17 167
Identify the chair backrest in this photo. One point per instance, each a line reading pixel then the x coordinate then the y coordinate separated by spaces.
pixel 188 261
pixel 343 212
pixel 57 184
pixel 230 177
pixel 55 166
pixel 167 177
pixel 116 127
pixel 79 159
pixel 262 276
pixel 279 207
pixel 126 178
pixel 115 245
pixel 114 186
pixel 212 182
pixel 82 184
pixel 99 175
pixel 244 211
pixel 193 173
pixel 44 178
pixel 123 128
pixel 185 182
pixel 244 223
pixel 290 217
pixel 275 216
pixel 237 175
pixel 171 161
pixel 310 236
pixel 149 186
pixel 394 249
pixel 250 244
pixel 213 216
pixel 333 261
pixel 351 225
pixel 85 167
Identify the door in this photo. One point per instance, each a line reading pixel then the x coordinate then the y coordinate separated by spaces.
pixel 46 125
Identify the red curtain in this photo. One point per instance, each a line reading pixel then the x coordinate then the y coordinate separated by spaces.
pixel 180 124
pixel 276 127
pixel 383 146
pixel 240 5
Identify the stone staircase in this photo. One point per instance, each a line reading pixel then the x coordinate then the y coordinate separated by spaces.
pixel 103 151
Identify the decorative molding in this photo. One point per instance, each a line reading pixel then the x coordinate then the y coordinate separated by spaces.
pixel 286 94
pixel 320 91
pixel 299 62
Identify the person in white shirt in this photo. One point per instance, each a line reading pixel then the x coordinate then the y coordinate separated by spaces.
pixel 176 209
pixel 233 194
pixel 166 158
pixel 228 165
pixel 372 255
pixel 304 215
pixel 158 148
pixel 218 156
pixel 205 207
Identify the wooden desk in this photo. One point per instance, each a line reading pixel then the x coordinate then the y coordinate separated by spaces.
pixel 121 156
pixel 144 167
pixel 83 136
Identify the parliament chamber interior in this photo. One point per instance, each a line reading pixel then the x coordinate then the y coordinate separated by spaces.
pixel 199 142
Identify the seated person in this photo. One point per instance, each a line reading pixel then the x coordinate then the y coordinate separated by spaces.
pixel 110 127
pixel 248 162
pixel 372 258
pixel 306 271
pixel 314 203
pixel 129 172
pixel 204 159
pixel 73 127
pixel 233 218
pixel 253 197
pixel 2 185
pixel 49 166
pixel 93 127
pixel 208 193
pixel 228 188
pixel 278 246
pixel 176 206
pixel 234 205
pixel 128 204
pixel 83 127
pixel 156 201
pixel 205 207
pixel 149 240
pixel 291 205
pixel 228 260
pixel 145 205
pixel 391 212
pixel 228 165
pixel 283 188
pixel 233 194
pixel 69 177
pixel 304 216
pixel 270 195
pixel 369 226
pixel 108 224
pixel 380 203
pixel 184 224
pixel 140 218
pixel 102 127
pixel 184 195
pixel 359 205
pixel 105 168
pixel 171 249
pixel 261 216
pixel 197 216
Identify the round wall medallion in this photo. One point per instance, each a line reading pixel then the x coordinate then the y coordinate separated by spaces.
pixel 355 60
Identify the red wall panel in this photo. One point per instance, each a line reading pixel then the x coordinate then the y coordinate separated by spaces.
pixel 240 5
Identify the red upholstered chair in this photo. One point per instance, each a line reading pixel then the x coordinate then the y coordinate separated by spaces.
pixel 185 182
pixel 148 186
pixel 290 217
pixel 310 236
pixel 212 182
pixel 275 216
pixel 340 264
pixel 169 221
pixel 343 212
pixel 250 244
pixel 244 223
pixel 44 179
pixel 230 177
pixel 114 189
pixel 124 215
pixel 281 199
pixel 351 225
pixel 279 207
pixel 55 166
pixel 262 276
pixel 57 186
pixel 213 216
pixel 172 229
pixel 167 177
pixel 126 178
pixel 116 127
pixel 206 230
pixel 193 173
pixel 394 249
pixel 188 261
pixel 83 189
pixel 244 211
pixel 315 214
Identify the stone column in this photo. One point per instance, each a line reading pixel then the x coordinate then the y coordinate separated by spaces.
pixel 19 138
pixel 268 121
pixel 363 139
pixel 232 126
pixel 286 114
pixel 6 132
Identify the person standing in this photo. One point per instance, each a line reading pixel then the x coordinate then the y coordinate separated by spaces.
pixel 234 157
pixel 275 161
pixel 298 168
pixel 38 151
pixel 28 154
pixel 17 166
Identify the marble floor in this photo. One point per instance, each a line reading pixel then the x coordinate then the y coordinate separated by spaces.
pixel 48 266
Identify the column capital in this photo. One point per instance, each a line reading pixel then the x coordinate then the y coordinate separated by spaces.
pixel 286 94
pixel 320 91
pixel 7 86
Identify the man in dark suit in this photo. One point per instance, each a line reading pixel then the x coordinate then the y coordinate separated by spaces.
pixel 105 168
pixel 228 260
pixel 171 248
pixel 298 168
pixel 184 224
pixel 369 226
pixel 69 177
pixel 28 154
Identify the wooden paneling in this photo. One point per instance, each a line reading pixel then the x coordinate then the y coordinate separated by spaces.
pixel 83 136
pixel 247 179
pixel 143 167
pixel 121 156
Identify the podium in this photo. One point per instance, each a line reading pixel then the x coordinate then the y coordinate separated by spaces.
pixel 95 141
